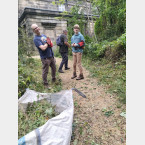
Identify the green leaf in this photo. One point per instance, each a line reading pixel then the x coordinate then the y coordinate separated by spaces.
pixel 123 114
pixel 109 113
pixel 53 2
pixel 75 142
pixel 49 111
pixel 104 109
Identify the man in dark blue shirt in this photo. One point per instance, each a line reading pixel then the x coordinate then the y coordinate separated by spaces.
pixel 46 54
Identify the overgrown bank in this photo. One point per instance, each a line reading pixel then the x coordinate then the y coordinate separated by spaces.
pixel 30 76
pixel 112 75
pixel 107 62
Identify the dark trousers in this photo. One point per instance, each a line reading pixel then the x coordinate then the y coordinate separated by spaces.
pixel 64 61
pixel 45 68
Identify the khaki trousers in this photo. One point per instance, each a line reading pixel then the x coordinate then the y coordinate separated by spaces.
pixel 77 57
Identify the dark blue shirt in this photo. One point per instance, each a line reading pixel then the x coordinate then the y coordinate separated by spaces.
pixel 41 40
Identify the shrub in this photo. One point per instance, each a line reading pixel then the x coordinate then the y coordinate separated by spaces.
pixel 56 52
pixel 25 44
pixel 25 76
pixel 111 50
pixel 112 20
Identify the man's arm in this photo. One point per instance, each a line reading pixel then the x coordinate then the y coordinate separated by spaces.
pixel 64 38
pixel 66 43
pixel 39 44
pixel 43 47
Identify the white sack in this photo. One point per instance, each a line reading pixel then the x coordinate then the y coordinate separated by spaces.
pixel 57 130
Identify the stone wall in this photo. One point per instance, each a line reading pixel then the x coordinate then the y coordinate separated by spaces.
pixel 38 4
pixel 49 24
pixel 47 5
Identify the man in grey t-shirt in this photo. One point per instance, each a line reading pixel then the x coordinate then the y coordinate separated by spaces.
pixel 64 51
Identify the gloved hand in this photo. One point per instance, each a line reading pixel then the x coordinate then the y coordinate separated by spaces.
pixel 49 42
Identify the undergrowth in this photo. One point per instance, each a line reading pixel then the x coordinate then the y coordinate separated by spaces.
pixel 36 115
pixel 30 76
pixel 113 75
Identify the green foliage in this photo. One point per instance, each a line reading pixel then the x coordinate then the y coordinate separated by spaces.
pixel 99 28
pixel 107 112
pixel 36 115
pixel 30 76
pixel 25 44
pixel 59 2
pixel 56 52
pixel 88 39
pixel 25 76
pixel 112 20
pixel 111 50
pixel 116 49
pixel 112 75
pixel 77 18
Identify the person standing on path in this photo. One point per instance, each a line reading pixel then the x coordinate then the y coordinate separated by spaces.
pixel 44 46
pixel 77 43
pixel 63 50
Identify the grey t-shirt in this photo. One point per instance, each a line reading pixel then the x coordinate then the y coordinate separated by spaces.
pixel 63 48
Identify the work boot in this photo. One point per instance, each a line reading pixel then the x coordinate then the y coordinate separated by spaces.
pixel 80 77
pixel 61 71
pixel 53 80
pixel 74 75
pixel 67 68
pixel 47 87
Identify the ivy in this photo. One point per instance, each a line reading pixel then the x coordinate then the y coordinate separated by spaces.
pixel 112 20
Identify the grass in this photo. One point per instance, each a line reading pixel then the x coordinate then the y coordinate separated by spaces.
pixel 56 52
pixel 38 85
pixel 112 75
pixel 30 76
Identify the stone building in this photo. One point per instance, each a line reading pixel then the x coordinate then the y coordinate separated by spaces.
pixel 45 13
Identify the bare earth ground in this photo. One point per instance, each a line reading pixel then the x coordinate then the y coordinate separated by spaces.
pixel 92 127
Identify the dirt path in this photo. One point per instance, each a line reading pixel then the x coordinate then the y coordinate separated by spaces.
pixel 91 123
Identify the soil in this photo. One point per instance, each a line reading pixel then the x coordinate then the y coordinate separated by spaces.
pixel 91 125
pixel 88 114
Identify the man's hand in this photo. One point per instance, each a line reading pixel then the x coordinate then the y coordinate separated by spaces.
pixel 66 43
pixel 74 44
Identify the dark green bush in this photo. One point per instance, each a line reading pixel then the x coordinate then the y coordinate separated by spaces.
pixel 112 20
pixel 25 75
pixel 88 39
pixel 25 44
pixel 111 50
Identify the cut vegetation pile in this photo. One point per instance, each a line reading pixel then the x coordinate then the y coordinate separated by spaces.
pixel 36 115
